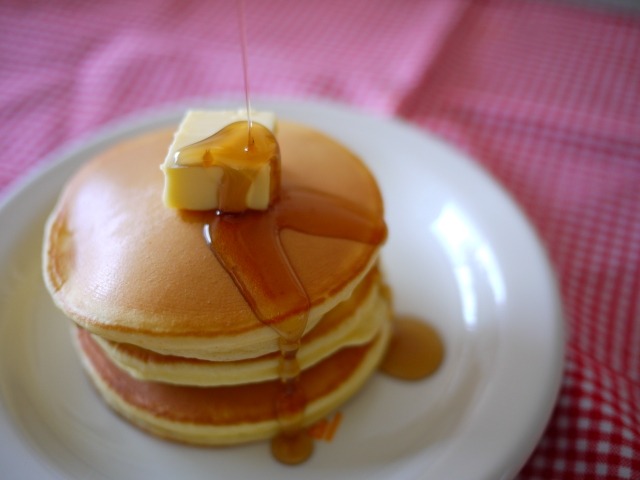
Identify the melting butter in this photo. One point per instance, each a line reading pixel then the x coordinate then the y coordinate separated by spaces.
pixel 218 161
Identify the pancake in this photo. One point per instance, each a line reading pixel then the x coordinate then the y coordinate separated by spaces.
pixel 128 269
pixel 219 416
pixel 166 325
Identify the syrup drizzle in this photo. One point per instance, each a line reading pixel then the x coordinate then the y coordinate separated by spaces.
pixel 249 247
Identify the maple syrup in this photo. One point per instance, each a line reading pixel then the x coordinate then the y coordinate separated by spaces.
pixel 249 247
pixel 415 350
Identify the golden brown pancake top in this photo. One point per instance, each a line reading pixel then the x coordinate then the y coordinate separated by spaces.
pixel 116 259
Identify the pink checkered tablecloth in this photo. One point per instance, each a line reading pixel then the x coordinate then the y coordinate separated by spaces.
pixel 544 94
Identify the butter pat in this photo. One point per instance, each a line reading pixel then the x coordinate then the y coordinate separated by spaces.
pixel 213 163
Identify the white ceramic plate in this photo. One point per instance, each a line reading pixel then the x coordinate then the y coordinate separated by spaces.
pixel 460 254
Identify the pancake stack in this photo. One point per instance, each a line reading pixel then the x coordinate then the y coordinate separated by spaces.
pixel 161 326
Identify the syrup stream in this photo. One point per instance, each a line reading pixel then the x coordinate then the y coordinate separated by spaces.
pixel 248 246
pixel 245 66
pixel 293 445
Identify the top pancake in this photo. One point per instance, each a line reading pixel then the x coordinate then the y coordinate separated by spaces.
pixel 124 266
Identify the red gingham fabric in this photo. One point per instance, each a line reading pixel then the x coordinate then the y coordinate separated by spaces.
pixel 544 94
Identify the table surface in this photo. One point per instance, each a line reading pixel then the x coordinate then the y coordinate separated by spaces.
pixel 544 95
